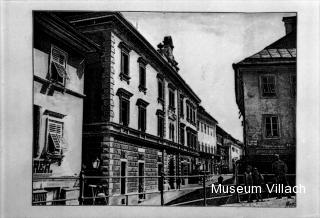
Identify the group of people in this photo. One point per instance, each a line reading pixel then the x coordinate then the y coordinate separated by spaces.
pixel 254 178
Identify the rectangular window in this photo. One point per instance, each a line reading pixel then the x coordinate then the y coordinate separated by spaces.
pixel 58 63
pixel 123 177
pixel 160 90
pixel 171 99
pixel 271 126
pixel 141 179
pixel 188 112
pixel 54 136
pixel 124 63
pixel 171 132
pixel 181 107
pixel 268 86
pixel 142 119
pixel 160 185
pixel 194 116
pixel 124 111
pixel 142 77
pixel 160 126
pixel 182 135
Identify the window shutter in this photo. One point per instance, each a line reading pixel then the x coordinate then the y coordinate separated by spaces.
pixel 58 57
pixel 55 131
pixel 59 61
pixel 55 127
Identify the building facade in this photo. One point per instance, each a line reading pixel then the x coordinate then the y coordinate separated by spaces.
pixel 235 149
pixel 265 87
pixel 139 114
pixel 222 162
pixel 59 54
pixel 207 140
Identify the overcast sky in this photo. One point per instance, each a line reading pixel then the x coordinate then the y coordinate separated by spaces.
pixel 206 45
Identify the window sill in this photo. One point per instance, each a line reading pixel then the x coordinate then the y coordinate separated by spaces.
pixel 142 89
pixel 125 77
pixel 173 109
pixel 52 86
pixel 160 100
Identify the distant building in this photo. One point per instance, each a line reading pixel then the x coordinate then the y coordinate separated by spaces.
pixel 265 87
pixel 207 140
pixel 59 57
pixel 236 151
pixel 222 161
pixel 140 116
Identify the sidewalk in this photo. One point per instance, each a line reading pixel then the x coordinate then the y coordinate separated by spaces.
pixel 170 195
pixel 268 202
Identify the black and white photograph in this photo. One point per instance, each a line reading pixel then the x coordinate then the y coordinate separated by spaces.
pixel 138 109
pixel 116 122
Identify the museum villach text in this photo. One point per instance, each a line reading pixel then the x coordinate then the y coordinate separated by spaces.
pixel 277 188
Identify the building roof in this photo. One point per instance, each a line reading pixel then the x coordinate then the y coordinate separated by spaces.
pixel 283 50
pixel 201 110
pixel 64 32
pixel 94 18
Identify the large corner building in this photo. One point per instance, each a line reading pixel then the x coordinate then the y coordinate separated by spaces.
pixel 265 88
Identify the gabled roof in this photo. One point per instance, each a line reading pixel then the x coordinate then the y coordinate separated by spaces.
pixel 281 51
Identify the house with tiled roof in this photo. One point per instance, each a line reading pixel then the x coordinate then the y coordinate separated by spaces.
pixel 265 89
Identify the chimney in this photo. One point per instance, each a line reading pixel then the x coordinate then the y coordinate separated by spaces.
pixel 166 48
pixel 290 23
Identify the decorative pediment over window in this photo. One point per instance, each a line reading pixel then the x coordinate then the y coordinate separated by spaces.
pixel 160 76
pixel 54 114
pixel 143 61
pixel 171 86
pixel 141 102
pixel 124 93
pixel 125 47
pixel 160 112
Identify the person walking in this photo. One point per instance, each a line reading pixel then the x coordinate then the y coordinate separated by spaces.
pixel 279 168
pixel 178 182
pixel 248 181
pixel 257 180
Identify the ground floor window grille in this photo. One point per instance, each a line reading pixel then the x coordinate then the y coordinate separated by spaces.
pixel 123 177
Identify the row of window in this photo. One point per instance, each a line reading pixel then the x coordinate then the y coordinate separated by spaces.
pixel 124 75
pixel 191 113
pixel 268 86
pixel 206 148
pixel 205 128
pixel 141 180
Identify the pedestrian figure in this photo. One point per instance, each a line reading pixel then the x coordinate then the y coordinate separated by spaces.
pixel 178 182
pixel 220 180
pixel 248 181
pixel 279 168
pixel 257 180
